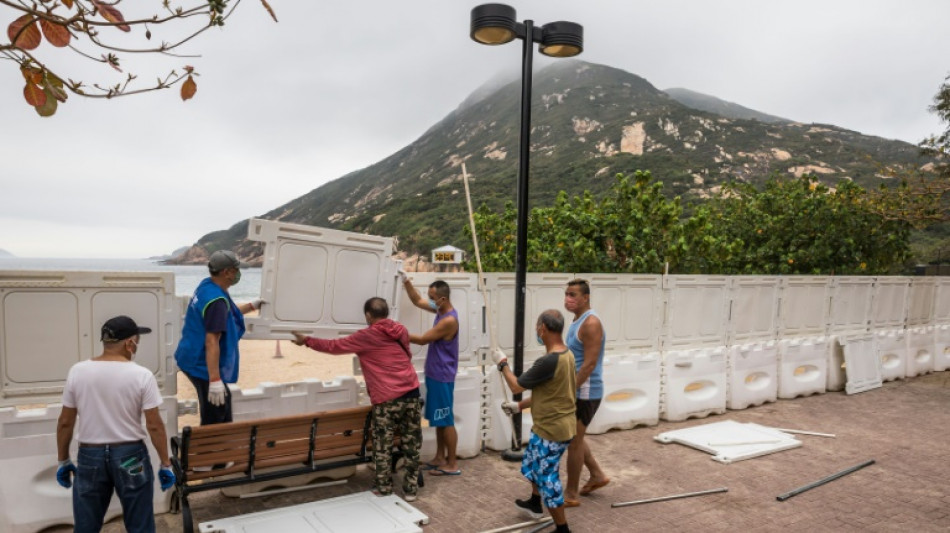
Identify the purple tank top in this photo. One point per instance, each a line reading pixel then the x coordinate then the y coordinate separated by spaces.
pixel 442 360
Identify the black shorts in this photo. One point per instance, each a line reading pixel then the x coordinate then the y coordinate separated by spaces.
pixel 586 409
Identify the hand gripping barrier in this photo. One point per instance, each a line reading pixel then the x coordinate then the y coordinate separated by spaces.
pixel 803 366
pixel 753 375
pixel 693 384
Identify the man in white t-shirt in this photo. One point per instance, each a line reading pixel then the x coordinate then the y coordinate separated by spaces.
pixel 108 395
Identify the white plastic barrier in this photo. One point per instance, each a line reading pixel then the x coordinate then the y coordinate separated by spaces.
pixel 496 426
pixel 30 498
pixel 753 311
pixel 631 393
pixel 803 366
pixel 851 304
pixel 697 311
pixel 753 374
pixel 630 306
pixel 890 302
pixel 837 370
pixel 920 304
pixel 269 400
pixel 467 407
pixel 804 309
pixel 892 351
pixel 693 384
pixel 50 320
pixel 942 348
pixel 862 363
pixel 942 301
pixel 920 355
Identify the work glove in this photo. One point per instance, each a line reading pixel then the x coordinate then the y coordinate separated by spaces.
pixel 403 277
pixel 510 408
pixel 499 356
pixel 216 393
pixel 166 477
pixel 65 473
pixel 256 304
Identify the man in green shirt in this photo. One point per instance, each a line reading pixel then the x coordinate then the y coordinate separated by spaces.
pixel 553 391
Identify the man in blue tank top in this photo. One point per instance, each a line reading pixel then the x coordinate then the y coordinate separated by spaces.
pixel 586 339
pixel 208 350
pixel 442 362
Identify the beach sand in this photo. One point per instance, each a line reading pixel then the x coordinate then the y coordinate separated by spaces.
pixel 259 364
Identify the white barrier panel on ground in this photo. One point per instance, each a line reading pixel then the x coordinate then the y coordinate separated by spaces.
pixel 467 411
pixel 630 307
pixel 753 374
pixel 753 312
pixel 269 400
pixel 467 302
pixel 631 393
pixel 315 280
pixel 889 309
pixel 542 291
pixel 803 366
pixel 942 301
pixel 50 320
pixel 862 363
pixel 892 351
pixel 804 308
pixel 851 304
pixel 30 497
pixel 920 346
pixel 697 309
pixel 942 348
pixel 693 384
pixel 920 305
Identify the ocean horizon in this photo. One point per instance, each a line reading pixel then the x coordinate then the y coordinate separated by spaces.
pixel 187 277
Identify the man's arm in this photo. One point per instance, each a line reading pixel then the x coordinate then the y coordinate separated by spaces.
pixel 591 334
pixel 213 355
pixel 64 431
pixel 349 344
pixel 417 299
pixel 156 432
pixel 445 329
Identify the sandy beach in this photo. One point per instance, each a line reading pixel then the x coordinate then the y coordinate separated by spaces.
pixel 259 364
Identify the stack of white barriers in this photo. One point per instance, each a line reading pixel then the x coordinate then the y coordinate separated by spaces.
pixel 678 347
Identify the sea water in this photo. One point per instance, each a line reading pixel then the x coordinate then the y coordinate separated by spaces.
pixel 187 277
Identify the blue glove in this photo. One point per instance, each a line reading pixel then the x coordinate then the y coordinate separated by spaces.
pixel 65 472
pixel 166 477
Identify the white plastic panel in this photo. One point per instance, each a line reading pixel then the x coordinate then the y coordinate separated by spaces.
pixel 862 363
pixel 731 441
pixel 753 374
pixel 631 393
pixel 803 366
pixel 892 352
pixel 851 304
pixel 804 308
pixel 630 307
pixel 753 308
pixel 29 495
pixel 942 347
pixel 920 355
pixel 693 384
pixel 50 320
pixel 920 305
pixel 696 312
pixel 890 302
pixel 363 512
pixel 942 301
pixel 467 301
pixel 542 292
pixel 269 400
pixel 496 426
pixel 315 279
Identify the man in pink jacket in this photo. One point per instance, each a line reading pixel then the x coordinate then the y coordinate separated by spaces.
pixel 383 350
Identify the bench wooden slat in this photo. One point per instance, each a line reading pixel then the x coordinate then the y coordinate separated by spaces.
pixel 280 448
pixel 298 459
pixel 354 414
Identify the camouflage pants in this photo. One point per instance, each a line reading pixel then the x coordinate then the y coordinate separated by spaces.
pixel 397 417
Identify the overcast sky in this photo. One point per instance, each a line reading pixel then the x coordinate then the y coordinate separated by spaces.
pixel 333 87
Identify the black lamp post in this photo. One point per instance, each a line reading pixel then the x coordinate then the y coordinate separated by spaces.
pixel 495 24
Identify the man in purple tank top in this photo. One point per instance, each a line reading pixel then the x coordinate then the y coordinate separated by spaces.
pixel 442 361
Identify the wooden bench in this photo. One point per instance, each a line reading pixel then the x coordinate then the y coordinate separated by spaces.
pixel 268 449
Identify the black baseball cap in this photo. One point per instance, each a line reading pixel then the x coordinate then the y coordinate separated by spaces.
pixel 223 259
pixel 120 328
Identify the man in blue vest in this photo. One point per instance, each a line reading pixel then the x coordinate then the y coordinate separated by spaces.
pixel 208 350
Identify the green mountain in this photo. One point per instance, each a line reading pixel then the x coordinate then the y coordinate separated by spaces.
pixel 589 122
pixel 705 102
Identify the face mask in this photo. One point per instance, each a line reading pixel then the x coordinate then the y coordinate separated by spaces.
pixel 237 277
pixel 540 340
pixel 433 305
pixel 134 350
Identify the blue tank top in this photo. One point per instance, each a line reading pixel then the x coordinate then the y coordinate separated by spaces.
pixel 190 354
pixel 442 359
pixel 593 388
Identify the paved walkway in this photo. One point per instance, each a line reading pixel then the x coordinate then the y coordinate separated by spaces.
pixel 904 426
